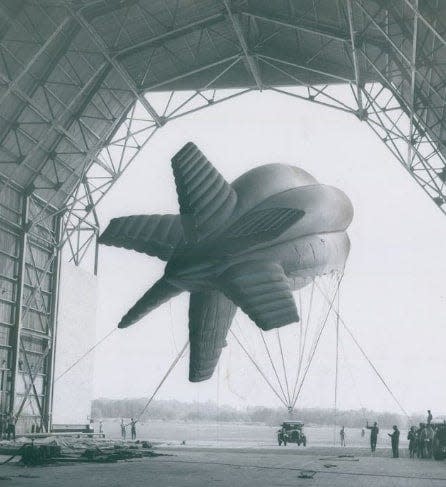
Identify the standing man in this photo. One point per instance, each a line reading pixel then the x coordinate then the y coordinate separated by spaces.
pixel 342 435
pixel 11 426
pixel 429 416
pixel 374 430
pixel 123 432
pixel 395 437
pixel 412 437
pixel 133 428
pixel 422 441
pixel 429 440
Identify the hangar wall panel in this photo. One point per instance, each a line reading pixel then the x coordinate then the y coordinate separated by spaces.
pixel 75 335
pixel 10 223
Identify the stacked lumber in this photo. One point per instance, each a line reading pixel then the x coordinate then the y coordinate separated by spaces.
pixel 75 450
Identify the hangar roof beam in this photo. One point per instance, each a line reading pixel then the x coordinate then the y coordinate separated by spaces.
pixel 252 63
pixel 170 34
pixel 117 66
pixel 361 113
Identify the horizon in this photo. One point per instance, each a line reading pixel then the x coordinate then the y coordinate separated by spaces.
pixel 274 408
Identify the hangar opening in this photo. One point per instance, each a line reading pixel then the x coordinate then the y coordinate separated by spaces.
pixel 84 86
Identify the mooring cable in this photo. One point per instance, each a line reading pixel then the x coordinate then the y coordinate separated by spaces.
pixel 85 354
pixel 272 362
pixel 166 375
pixel 336 371
pixel 350 371
pixel 313 351
pixel 302 344
pixel 284 368
pixel 372 365
pixel 258 368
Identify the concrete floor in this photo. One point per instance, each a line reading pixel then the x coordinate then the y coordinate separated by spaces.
pixel 237 468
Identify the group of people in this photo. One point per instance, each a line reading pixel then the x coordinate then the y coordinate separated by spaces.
pixel 7 426
pixel 374 431
pixel 420 439
pixel 132 425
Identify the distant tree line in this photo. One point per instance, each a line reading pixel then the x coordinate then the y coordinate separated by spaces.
pixel 211 412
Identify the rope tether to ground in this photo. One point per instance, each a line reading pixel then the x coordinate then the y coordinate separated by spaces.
pixel 284 367
pixel 169 370
pixel 380 377
pixel 296 391
pixel 290 396
pixel 258 368
pixel 313 351
pixel 85 354
pixel 303 342
pixel 272 363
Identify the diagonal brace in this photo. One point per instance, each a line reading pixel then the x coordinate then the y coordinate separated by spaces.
pixel 252 64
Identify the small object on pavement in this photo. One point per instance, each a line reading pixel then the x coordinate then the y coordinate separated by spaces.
pixel 307 474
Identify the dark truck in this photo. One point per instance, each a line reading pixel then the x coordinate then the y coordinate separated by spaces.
pixel 291 432
pixel 439 441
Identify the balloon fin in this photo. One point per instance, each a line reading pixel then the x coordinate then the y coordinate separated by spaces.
pixel 262 291
pixel 206 199
pixel 259 226
pixel 156 235
pixel 158 294
pixel 210 316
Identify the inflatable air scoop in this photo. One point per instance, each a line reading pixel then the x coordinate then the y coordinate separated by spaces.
pixel 248 244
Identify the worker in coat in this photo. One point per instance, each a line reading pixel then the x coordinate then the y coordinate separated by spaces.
pixel 395 437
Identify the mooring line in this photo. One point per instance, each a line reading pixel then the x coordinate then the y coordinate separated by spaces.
pixel 272 362
pixel 85 354
pixel 265 378
pixel 372 365
pixel 313 351
pixel 169 370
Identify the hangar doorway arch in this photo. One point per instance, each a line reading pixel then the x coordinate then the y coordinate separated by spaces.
pixel 75 91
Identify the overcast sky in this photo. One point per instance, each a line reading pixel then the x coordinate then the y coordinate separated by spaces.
pixel 393 295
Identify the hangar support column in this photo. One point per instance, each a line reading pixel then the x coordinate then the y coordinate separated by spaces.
pixel 16 362
pixel 29 254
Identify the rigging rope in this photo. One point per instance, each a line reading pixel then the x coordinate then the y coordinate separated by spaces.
pixel 309 313
pixel 301 327
pixel 302 348
pixel 243 339
pixel 313 351
pixel 272 363
pixel 336 371
pixel 85 354
pixel 169 370
pixel 171 327
pixel 258 368
pixel 284 368
pixel 350 371
pixel 381 378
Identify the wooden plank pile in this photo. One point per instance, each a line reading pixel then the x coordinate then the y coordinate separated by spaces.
pixel 75 450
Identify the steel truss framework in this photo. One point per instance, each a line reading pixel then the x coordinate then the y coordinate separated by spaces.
pixel 83 89
pixel 29 277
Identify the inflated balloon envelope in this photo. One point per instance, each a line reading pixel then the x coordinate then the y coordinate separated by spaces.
pixel 247 244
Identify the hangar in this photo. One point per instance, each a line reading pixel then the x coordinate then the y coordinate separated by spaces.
pixel 85 84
